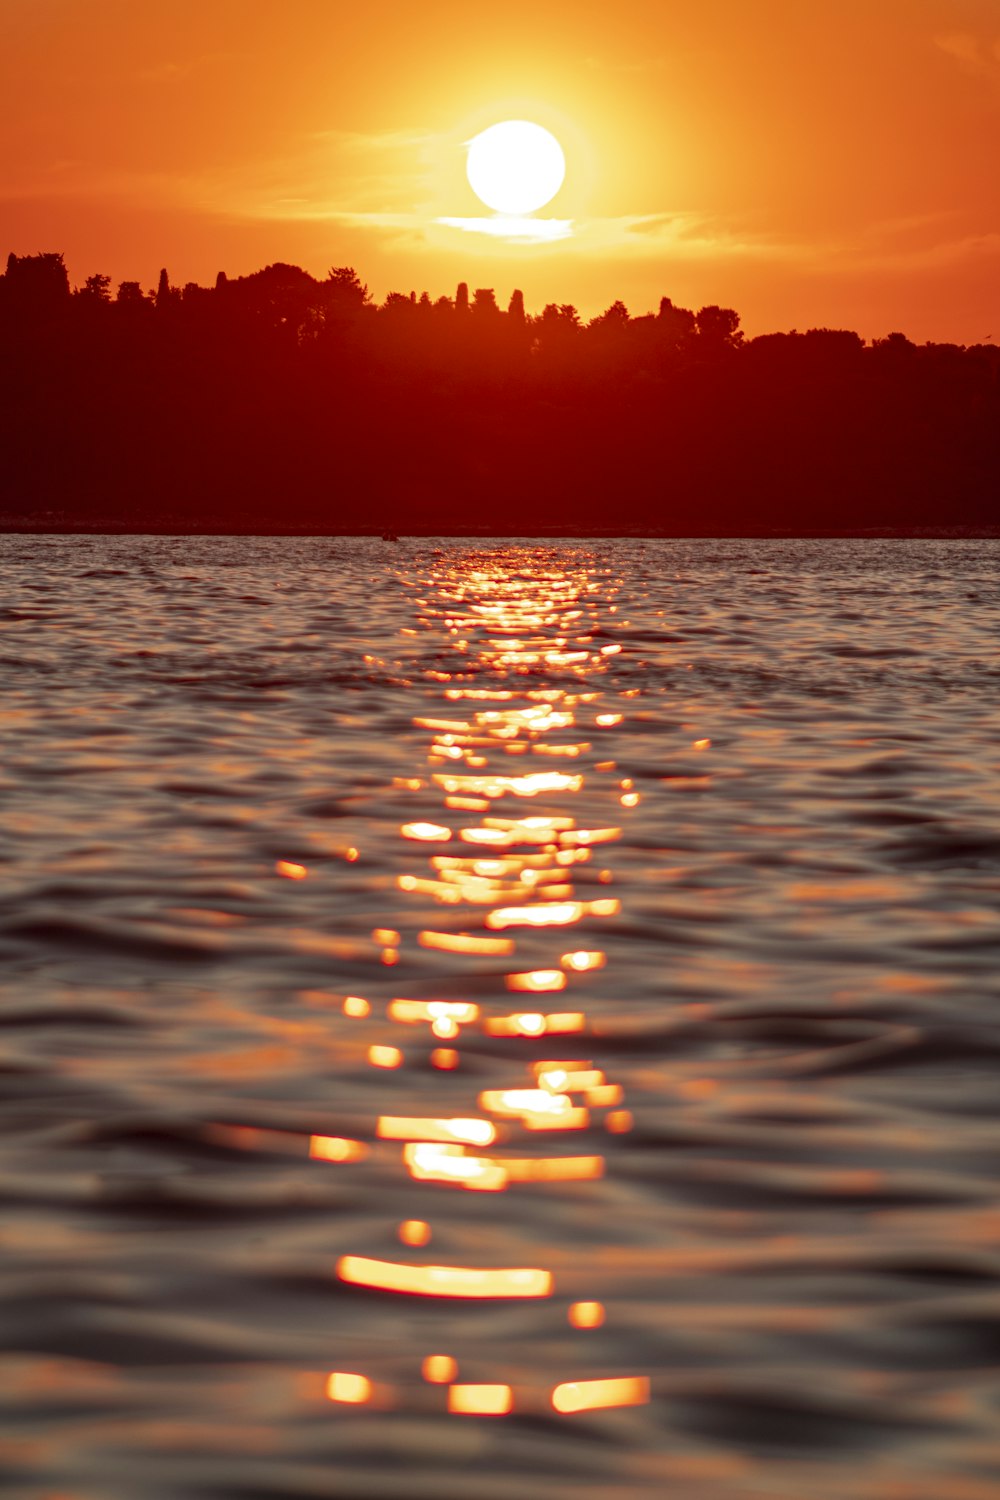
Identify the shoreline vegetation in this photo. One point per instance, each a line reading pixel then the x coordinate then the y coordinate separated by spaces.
pixel 282 404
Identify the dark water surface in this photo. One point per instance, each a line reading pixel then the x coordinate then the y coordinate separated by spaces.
pixel 619 916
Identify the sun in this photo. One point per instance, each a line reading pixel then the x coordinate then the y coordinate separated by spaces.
pixel 515 167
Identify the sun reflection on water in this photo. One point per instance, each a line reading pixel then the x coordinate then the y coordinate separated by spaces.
pixel 525 683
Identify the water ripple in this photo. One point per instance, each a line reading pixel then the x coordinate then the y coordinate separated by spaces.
pixel 574 963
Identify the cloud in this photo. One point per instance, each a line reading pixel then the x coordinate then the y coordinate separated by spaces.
pixel 512 231
pixel 388 188
pixel 68 178
pixel 978 57
pixel 945 254
pixel 906 245
pixel 909 244
pixel 334 174
pixel 686 237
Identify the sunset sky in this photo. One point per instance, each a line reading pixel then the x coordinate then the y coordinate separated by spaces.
pixel 810 164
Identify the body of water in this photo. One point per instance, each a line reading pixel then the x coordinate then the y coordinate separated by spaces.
pixel 499 1019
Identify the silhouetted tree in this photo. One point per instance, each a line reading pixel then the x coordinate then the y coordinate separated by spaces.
pixel 558 315
pixel 346 289
pixel 894 346
pixel 557 332
pixel 38 284
pixel 281 384
pixel 96 289
pixel 833 348
pixel 195 296
pixel 282 299
pixel 676 324
pixel 718 327
pixel 614 318
pixel 556 323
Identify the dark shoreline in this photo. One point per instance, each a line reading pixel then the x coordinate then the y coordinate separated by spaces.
pixel 14 527
pixel 279 405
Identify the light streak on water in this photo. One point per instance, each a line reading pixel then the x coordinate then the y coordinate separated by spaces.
pixel 428 1161
pixel 480 1400
pixel 593 1395
pixel 586 1314
pixel 432 833
pixel 443 1281
pixel 414 1232
pixel 538 980
pixel 336 1148
pixel 439 1369
pixel 534 1023
pixel 458 1132
pixel 354 1390
pixel 581 961
pixel 519 873
pixel 385 1057
pixel 464 942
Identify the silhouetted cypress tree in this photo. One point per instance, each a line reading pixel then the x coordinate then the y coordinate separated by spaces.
pixel 462 297
pixel 515 309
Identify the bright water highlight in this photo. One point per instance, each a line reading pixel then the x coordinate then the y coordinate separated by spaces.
pixel 506 1015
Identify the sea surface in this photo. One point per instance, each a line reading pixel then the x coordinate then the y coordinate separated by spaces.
pixel 499 1019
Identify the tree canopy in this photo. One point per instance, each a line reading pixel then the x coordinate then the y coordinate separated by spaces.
pixel 280 399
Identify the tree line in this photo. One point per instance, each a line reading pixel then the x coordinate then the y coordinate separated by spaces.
pixel 281 401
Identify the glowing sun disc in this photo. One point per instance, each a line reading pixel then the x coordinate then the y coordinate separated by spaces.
pixel 515 167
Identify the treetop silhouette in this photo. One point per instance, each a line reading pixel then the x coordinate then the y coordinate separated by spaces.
pixel 282 399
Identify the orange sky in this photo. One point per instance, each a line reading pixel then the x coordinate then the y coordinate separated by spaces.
pixel 807 163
